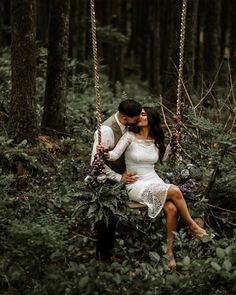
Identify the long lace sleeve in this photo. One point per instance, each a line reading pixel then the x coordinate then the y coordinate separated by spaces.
pixel 121 146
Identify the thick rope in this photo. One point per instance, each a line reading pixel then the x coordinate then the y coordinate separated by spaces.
pixel 181 56
pixel 96 70
pixel 177 118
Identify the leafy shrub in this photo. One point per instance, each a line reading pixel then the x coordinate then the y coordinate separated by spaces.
pixel 47 235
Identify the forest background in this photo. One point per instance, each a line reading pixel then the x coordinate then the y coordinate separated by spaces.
pixel 48 214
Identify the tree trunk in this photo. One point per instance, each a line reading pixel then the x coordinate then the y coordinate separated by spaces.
pixel 190 44
pixel 43 8
pixel 1 23
pixel 233 41
pixel 23 123
pixel 53 120
pixel 6 22
pixel 173 50
pixel 211 45
pixel 165 20
pixel 73 29
pixel 83 25
pixel 78 29
pixel 139 42
pixel 199 47
pixel 103 20
pixel 154 58
pixel 225 22
pixel 116 50
pixel 224 43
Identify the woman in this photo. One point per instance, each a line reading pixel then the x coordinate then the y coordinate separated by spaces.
pixel 143 147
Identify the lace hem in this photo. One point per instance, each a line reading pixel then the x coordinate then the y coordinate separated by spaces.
pixel 154 196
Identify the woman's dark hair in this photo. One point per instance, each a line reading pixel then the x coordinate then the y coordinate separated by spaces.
pixel 130 108
pixel 156 131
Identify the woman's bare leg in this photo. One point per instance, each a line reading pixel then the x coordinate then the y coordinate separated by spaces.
pixel 174 194
pixel 171 225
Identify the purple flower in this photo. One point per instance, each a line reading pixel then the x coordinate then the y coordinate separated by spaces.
pixel 188 187
pixel 97 168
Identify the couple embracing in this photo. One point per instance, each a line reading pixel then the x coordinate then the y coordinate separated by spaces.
pixel 135 142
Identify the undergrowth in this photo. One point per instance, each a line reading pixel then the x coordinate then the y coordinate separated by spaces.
pixel 48 214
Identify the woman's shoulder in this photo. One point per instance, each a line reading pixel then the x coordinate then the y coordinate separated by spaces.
pixel 130 134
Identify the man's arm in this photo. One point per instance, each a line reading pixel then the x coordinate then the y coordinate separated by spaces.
pixel 107 142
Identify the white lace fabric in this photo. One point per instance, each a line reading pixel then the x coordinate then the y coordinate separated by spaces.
pixel 140 157
pixel 154 196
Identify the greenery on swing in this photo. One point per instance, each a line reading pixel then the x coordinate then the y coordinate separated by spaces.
pixel 46 237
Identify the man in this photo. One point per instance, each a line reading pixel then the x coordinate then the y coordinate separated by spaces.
pixel 111 131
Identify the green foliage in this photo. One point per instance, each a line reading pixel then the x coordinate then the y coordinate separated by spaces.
pixel 99 201
pixel 5 64
pixel 47 229
pixel 111 35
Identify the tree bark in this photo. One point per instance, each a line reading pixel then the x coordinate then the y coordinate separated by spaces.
pixel 211 45
pixel 43 8
pixel 171 74
pixel 233 41
pixel 83 25
pixel 116 50
pixel 154 57
pixel 73 29
pixel 23 122
pixel 165 20
pixel 199 47
pixel 53 120
pixel 190 44
pixel 1 23
pixel 139 39
pixel 6 22
pixel 225 22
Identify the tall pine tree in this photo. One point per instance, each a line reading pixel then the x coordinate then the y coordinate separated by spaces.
pixel 22 122
pixel 53 120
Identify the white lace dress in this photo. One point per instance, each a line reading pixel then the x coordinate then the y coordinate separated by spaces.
pixel 140 158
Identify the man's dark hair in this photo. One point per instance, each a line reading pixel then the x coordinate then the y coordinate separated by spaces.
pixel 130 108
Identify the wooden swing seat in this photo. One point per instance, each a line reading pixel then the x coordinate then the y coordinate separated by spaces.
pixel 136 205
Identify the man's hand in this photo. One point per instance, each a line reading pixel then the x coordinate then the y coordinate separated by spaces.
pixel 100 149
pixel 128 178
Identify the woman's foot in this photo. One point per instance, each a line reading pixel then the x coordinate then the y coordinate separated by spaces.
pixel 171 261
pixel 198 232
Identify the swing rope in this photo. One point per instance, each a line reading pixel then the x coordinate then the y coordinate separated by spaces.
pixel 96 70
pixel 177 117
pixel 181 56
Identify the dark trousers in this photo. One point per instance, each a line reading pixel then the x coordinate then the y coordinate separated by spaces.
pixel 105 239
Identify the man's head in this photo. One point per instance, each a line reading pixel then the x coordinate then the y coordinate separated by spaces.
pixel 129 112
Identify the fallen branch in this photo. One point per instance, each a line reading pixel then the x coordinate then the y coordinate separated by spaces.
pixel 220 208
